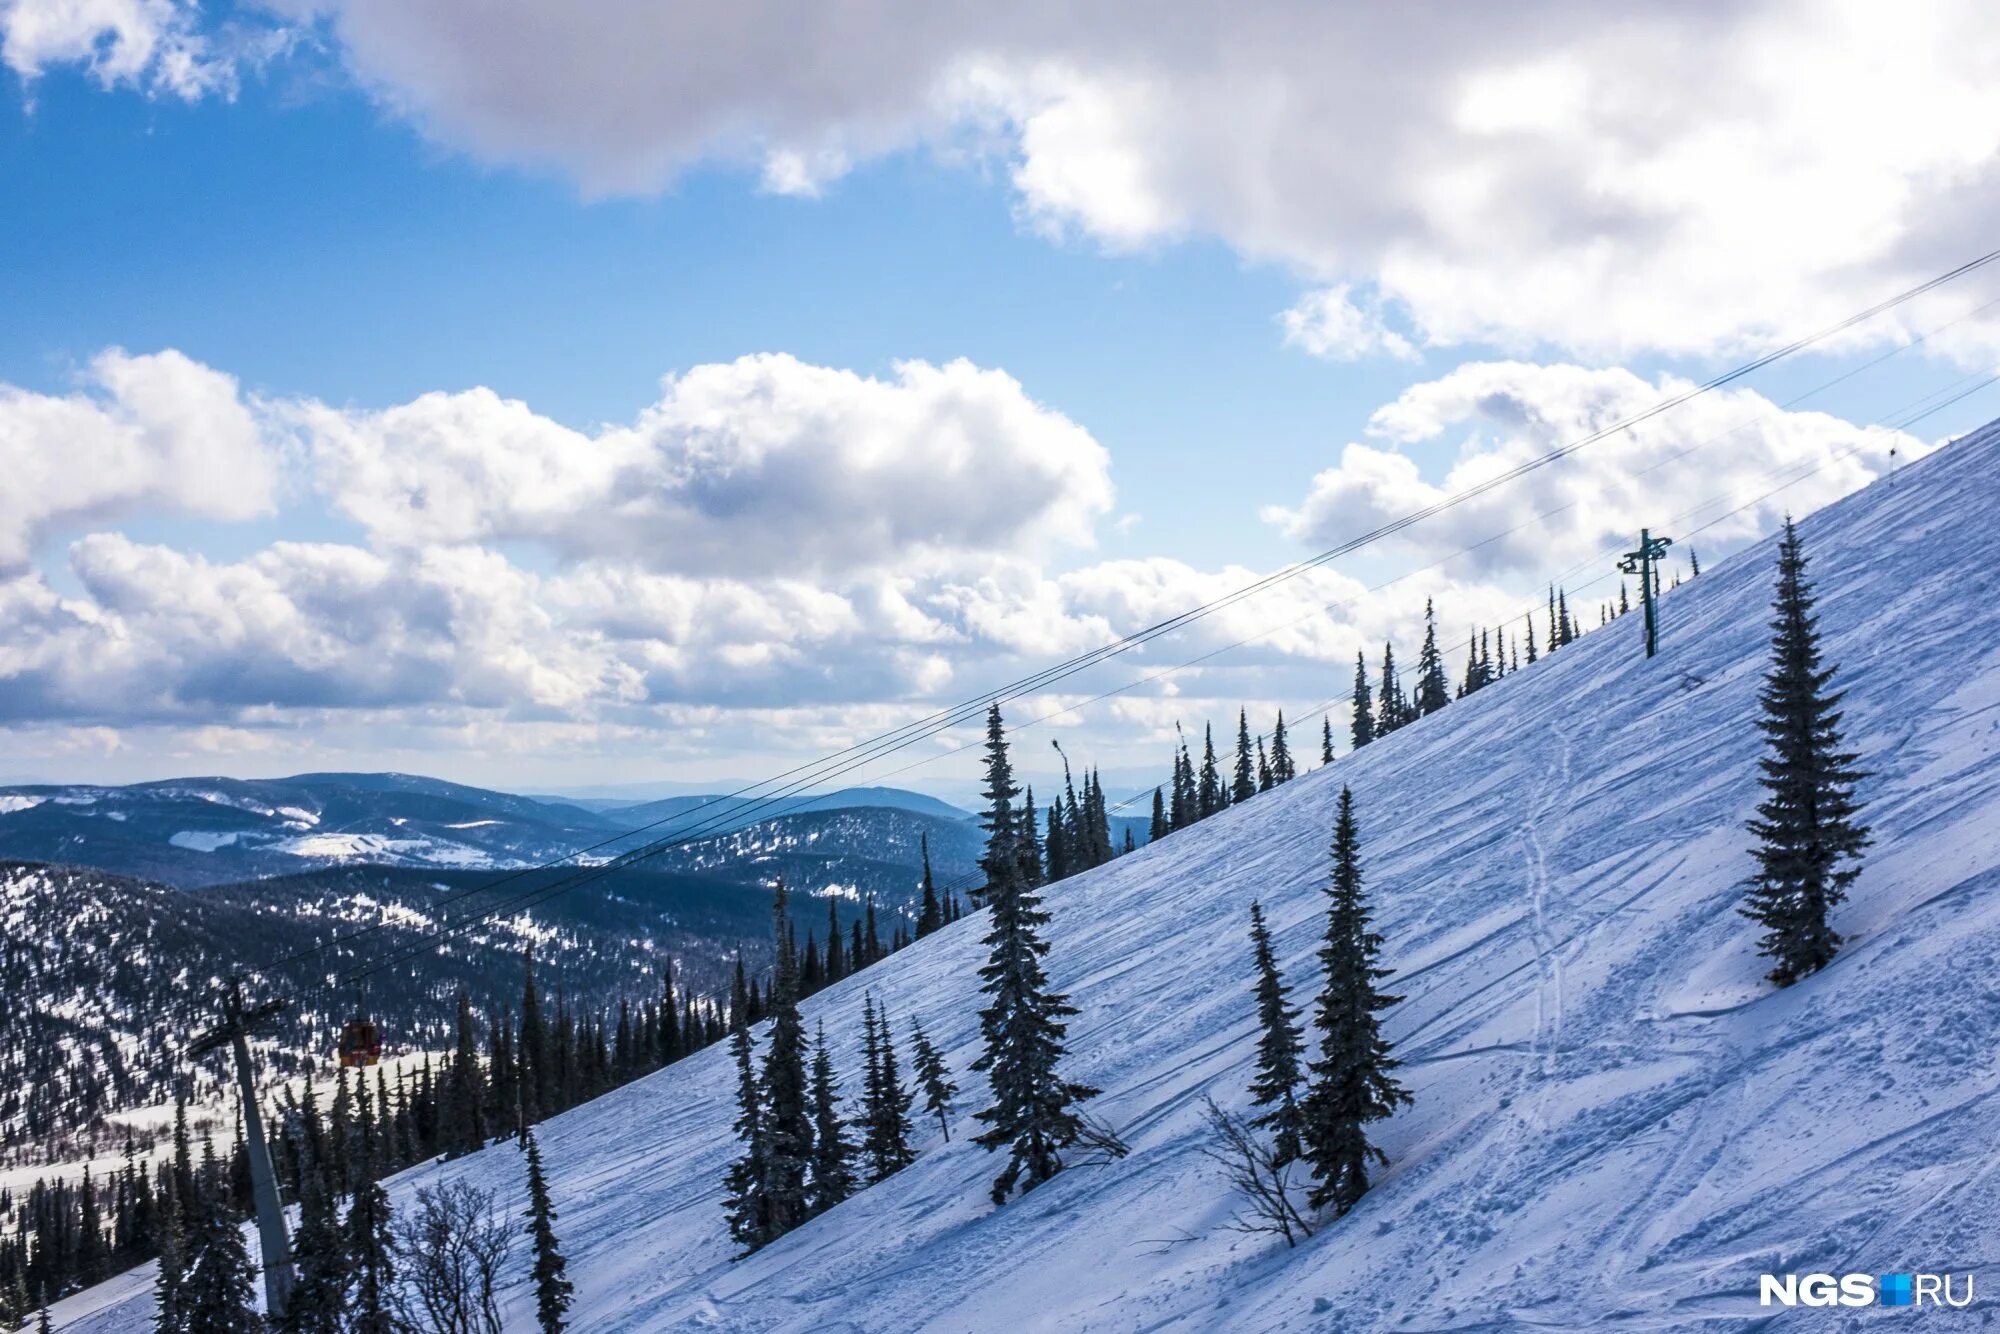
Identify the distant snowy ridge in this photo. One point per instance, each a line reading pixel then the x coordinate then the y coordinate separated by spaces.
pixel 1617 1121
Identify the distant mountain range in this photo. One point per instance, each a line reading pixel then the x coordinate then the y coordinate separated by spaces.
pixel 205 831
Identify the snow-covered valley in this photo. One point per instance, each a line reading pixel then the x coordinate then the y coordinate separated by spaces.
pixel 1617 1121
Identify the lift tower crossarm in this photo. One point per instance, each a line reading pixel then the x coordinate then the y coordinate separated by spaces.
pixel 1640 562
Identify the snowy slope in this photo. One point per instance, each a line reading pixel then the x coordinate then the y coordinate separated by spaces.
pixel 1616 1121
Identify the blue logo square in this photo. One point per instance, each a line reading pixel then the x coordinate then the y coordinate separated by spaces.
pixel 1895 1289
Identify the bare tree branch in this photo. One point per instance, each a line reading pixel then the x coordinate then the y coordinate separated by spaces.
pixel 1254 1170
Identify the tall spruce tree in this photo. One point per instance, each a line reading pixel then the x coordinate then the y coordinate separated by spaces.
pixel 1183 811
pixel 170 1242
pixel 1033 1113
pixel 216 1287
pixel 787 1115
pixel 1280 1047
pixel 1326 737
pixel 319 1251
pixel 833 1153
pixel 1353 1081
pixel 1362 730
pixel 1244 785
pixel 1283 767
pixel 1210 795
pixel 1808 829
pixel 1390 705
pixel 744 1203
pixel 931 915
pixel 886 1105
pixel 1157 829
pixel 465 1087
pixel 933 1077
pixel 1001 861
pixel 1432 691
pixel 371 1264
pixel 553 1291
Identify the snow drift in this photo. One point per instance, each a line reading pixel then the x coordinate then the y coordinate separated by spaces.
pixel 1617 1121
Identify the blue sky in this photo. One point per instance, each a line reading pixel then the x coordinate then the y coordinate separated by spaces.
pixel 1204 333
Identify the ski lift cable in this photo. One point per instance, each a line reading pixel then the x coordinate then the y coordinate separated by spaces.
pixel 941 720
pixel 544 893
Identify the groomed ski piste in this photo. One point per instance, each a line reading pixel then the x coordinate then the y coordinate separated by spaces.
pixel 1617 1122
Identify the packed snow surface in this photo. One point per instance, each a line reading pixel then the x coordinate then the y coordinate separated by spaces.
pixel 1617 1121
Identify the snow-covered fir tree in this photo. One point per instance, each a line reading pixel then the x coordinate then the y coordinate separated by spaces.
pixel 1033 1114
pixel 885 1116
pixel 1432 691
pixel 1352 1081
pixel 933 1076
pixel 833 1152
pixel 1280 1049
pixel 1808 829
pixel 554 1292
pixel 1243 784
pixel 785 1117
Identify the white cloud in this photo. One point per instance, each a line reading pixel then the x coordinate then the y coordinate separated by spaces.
pixel 1686 178
pixel 154 45
pixel 1685 468
pixel 763 464
pixel 156 431
pixel 1329 323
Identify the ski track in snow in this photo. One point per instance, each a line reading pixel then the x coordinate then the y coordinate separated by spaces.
pixel 1618 1123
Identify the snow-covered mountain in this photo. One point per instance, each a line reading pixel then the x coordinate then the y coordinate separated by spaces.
pixel 1617 1121
pixel 206 831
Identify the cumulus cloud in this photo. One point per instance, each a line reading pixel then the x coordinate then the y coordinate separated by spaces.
pixel 157 431
pixel 1706 463
pixel 1684 178
pixel 763 464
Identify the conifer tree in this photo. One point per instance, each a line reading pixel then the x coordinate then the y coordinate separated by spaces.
pixel 1326 737
pixel 837 966
pixel 931 916
pixel 886 1104
pixel 1210 795
pixel 371 1263
pixel 1528 628
pixel 1033 1112
pixel 1283 768
pixel 1432 692
pixel 1183 811
pixel 1808 831
pixel 553 1290
pixel 465 1089
pixel 215 1291
pixel 1001 861
pixel 933 1077
pixel 170 1242
pixel 744 1204
pixel 318 1249
pixel 1279 1049
pixel 1157 830
pixel 833 1153
pixel 1098 820
pixel 1244 785
pixel 1131 843
pixel 1363 729
pixel 1694 564
pixel 786 1114
pixel 1263 768
pixel 1389 702
pixel 1352 1082
pixel 533 1049
pixel 1028 840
